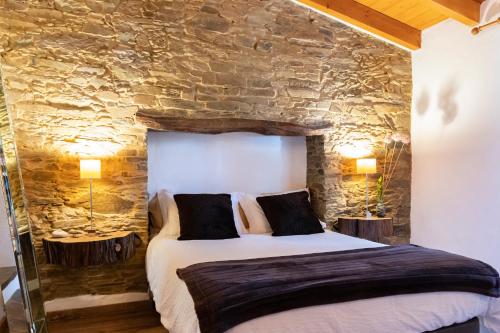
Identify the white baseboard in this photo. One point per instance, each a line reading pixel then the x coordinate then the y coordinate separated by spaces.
pixel 11 288
pixel 89 301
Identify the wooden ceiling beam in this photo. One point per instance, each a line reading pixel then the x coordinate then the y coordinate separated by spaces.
pixel 368 19
pixel 466 11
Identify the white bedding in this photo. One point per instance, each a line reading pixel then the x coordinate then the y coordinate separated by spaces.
pixel 402 313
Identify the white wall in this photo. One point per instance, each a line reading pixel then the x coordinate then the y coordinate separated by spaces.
pixel 246 162
pixel 6 251
pixel 456 140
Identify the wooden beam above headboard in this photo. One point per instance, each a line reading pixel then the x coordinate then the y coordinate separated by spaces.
pixel 227 125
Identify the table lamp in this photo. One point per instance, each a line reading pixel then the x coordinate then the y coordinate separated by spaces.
pixel 366 166
pixel 90 169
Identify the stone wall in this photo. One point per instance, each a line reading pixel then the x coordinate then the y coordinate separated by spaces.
pixel 76 72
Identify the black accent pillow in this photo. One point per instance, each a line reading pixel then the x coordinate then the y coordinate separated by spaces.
pixel 290 214
pixel 205 216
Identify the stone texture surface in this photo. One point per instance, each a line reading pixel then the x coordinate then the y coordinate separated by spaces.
pixel 75 72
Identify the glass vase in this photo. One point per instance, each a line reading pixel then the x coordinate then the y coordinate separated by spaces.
pixel 381 209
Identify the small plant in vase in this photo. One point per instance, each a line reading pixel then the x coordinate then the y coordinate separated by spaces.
pixel 380 197
pixel 394 146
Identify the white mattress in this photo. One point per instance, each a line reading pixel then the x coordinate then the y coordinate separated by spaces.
pixel 402 313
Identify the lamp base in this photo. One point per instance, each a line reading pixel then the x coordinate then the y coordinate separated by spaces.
pixel 91 232
pixel 368 214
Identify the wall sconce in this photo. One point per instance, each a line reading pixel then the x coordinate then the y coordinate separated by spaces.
pixel 366 166
pixel 90 169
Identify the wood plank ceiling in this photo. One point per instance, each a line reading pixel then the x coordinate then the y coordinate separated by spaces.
pixel 400 21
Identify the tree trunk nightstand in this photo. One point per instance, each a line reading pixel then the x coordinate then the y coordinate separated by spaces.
pixel 375 229
pixel 90 250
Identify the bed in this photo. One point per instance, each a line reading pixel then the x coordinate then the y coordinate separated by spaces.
pixel 402 313
pixel 270 202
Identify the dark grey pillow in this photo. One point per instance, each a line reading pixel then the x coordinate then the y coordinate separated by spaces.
pixel 205 216
pixel 290 214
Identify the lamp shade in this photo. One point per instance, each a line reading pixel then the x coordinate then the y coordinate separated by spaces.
pixel 90 169
pixel 366 165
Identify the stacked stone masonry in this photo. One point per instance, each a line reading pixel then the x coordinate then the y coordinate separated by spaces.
pixel 75 73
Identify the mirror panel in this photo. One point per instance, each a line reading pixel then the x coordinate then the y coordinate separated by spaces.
pixel 23 303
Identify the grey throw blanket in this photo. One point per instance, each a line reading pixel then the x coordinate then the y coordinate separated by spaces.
pixel 227 293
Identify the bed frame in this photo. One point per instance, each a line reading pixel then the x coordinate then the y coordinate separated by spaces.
pixel 471 326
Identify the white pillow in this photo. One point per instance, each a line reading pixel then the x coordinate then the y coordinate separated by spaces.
pixel 238 220
pixel 286 192
pixel 258 223
pixel 170 213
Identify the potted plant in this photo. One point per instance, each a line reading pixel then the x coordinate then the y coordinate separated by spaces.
pixel 380 208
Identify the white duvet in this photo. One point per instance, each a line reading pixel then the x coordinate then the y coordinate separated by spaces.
pixel 402 313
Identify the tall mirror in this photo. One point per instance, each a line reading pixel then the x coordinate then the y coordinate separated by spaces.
pixel 21 304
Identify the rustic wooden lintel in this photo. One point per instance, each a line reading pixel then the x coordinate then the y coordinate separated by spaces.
pixel 228 125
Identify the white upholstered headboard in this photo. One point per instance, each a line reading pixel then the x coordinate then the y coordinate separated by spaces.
pixel 246 162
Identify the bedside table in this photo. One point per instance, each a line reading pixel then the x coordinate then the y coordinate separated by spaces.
pixel 91 250
pixel 375 229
